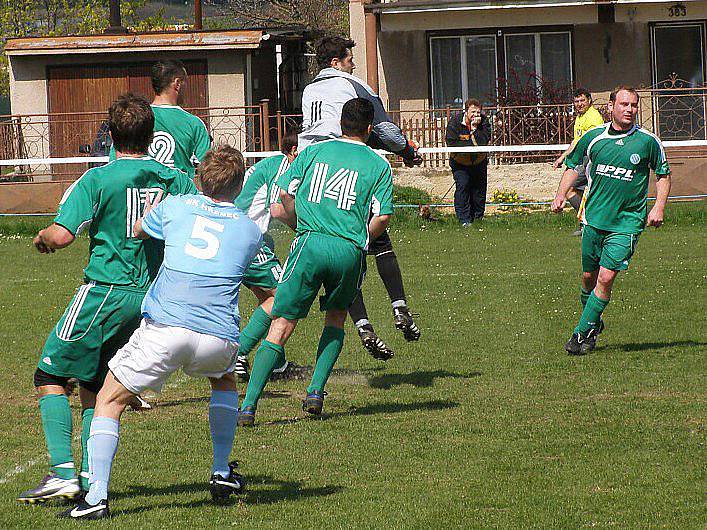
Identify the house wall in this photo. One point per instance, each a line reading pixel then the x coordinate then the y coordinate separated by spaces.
pixel 28 84
pixel 604 54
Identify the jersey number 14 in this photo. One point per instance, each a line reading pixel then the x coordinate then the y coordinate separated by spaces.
pixel 339 187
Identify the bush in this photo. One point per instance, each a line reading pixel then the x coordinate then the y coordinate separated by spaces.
pixel 410 195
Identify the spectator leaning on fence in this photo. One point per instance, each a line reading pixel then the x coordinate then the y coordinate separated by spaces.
pixel 469 127
pixel 587 117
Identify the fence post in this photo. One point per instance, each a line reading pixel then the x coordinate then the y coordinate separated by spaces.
pixel 265 123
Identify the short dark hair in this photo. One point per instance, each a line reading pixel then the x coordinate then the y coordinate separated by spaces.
pixel 627 88
pixel 472 102
pixel 582 92
pixel 221 172
pixel 329 48
pixel 131 124
pixel 290 140
pixel 164 72
pixel 356 116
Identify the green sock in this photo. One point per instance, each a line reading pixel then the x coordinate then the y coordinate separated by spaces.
pixel 86 419
pixel 57 424
pixel 591 314
pixel 584 296
pixel 257 327
pixel 330 345
pixel 267 357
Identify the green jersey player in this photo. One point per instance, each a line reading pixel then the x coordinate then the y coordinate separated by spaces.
pixel 329 191
pixel 105 310
pixel 621 156
pixel 259 196
pixel 180 139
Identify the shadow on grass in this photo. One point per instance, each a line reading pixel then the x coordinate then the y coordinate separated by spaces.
pixel 643 346
pixel 368 410
pixel 275 491
pixel 418 379
pixel 270 394
pixel 638 346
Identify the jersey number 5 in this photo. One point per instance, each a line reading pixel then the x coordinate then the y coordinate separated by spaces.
pixel 340 187
pixel 204 231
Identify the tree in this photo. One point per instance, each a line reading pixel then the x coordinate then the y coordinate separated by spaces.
pixel 318 17
pixel 29 18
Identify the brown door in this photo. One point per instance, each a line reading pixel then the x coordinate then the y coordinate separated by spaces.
pixel 79 97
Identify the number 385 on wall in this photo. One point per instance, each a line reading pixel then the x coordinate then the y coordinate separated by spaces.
pixel 677 10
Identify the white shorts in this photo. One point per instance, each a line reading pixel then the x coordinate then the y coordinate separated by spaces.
pixel 155 351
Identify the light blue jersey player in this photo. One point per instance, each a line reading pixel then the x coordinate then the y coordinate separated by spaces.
pixel 190 320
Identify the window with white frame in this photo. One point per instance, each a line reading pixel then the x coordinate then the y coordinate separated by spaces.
pixel 533 59
pixel 463 67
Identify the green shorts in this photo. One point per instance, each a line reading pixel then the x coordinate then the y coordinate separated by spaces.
pixel 318 260
pixel 265 270
pixel 610 250
pixel 99 320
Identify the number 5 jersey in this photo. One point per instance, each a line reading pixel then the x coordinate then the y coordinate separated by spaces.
pixel 208 247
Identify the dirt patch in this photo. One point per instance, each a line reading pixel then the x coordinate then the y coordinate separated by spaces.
pixel 531 181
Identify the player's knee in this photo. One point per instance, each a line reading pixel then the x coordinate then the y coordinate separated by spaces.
pixel 335 318
pixel 44 381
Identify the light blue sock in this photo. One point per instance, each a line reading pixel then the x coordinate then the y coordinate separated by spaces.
pixel 223 418
pixel 102 446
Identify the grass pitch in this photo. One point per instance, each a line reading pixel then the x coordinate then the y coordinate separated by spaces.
pixel 485 422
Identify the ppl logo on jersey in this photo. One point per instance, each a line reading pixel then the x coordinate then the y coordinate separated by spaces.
pixel 614 172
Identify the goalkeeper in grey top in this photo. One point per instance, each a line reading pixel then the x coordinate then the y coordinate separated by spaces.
pixel 322 101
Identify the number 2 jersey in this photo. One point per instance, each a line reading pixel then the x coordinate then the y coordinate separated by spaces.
pixel 109 200
pixel 259 189
pixel 208 247
pixel 337 184
pixel 180 138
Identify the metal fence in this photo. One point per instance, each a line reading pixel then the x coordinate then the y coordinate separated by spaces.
pixel 672 109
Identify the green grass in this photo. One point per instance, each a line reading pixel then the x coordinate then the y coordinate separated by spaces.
pixel 483 423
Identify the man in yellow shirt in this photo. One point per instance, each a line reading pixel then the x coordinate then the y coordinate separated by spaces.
pixel 587 118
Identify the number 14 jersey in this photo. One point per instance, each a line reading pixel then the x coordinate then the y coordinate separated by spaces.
pixel 337 184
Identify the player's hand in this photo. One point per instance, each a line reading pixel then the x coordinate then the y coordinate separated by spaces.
pixel 655 217
pixel 557 163
pixel 151 203
pixel 557 204
pixel 39 244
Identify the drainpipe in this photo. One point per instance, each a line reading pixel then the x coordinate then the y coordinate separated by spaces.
pixel 371 30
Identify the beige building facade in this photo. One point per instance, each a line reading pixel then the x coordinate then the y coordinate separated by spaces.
pixel 432 54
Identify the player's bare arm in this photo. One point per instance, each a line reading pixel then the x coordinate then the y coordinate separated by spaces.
pixel 53 237
pixel 662 187
pixel 377 225
pixel 286 213
pixel 568 177
pixel 560 159
pixel 138 232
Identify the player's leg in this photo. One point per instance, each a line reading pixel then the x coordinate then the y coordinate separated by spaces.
pixel 330 344
pixel 614 254
pixel 370 340
pixel 389 271
pixel 295 293
pixel 270 354
pixel 342 278
pixel 462 196
pixel 261 277
pixel 71 350
pixel 57 424
pixel 151 355
pixel 223 418
pixel 256 328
